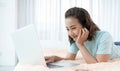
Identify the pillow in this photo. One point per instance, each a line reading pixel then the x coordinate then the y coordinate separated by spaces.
pixel 117 43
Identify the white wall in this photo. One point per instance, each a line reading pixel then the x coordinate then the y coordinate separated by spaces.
pixel 106 14
pixel 54 44
pixel 7 26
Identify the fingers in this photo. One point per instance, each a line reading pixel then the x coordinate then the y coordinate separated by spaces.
pixel 79 35
pixel 49 61
pixel 83 35
pixel 86 32
pixel 47 57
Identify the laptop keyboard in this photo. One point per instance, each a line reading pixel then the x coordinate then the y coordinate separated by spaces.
pixel 53 66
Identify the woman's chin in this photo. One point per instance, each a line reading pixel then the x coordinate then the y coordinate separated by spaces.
pixel 74 39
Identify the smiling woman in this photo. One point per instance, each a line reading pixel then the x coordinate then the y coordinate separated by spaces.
pixel 83 21
pixel 49 16
pixel 94 45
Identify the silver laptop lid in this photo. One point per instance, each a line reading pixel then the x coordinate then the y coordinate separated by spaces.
pixel 27 46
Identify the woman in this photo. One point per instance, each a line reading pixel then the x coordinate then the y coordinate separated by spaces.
pixel 84 35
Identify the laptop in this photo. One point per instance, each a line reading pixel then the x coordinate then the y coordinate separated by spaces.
pixel 28 49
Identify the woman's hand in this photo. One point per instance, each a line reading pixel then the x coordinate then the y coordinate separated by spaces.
pixel 82 37
pixel 50 59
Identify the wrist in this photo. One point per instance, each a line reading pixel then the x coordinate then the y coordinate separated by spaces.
pixel 80 44
pixel 56 58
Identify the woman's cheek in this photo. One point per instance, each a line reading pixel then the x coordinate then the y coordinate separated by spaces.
pixel 77 32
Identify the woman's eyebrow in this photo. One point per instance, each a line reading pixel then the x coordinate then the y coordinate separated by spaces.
pixel 72 26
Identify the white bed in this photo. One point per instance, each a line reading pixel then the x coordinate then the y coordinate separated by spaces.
pixel 113 65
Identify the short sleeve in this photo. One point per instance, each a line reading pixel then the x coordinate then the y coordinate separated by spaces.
pixel 105 44
pixel 73 48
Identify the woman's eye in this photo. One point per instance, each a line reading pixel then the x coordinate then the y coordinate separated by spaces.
pixel 67 29
pixel 73 28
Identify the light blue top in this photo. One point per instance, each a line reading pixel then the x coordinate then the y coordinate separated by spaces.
pixel 101 44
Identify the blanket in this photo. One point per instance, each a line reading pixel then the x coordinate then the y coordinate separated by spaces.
pixel 112 65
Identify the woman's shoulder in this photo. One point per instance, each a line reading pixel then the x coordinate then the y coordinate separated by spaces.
pixel 103 35
pixel 102 32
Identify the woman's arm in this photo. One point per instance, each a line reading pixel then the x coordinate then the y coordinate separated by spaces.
pixel 85 53
pixel 70 56
pixel 50 59
pixel 102 57
pixel 91 59
pixel 82 37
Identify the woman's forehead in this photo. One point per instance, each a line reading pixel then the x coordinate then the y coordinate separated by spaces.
pixel 71 22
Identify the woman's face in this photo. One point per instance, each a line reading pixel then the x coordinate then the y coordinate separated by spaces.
pixel 73 27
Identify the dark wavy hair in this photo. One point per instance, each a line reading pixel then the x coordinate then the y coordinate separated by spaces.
pixel 84 19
